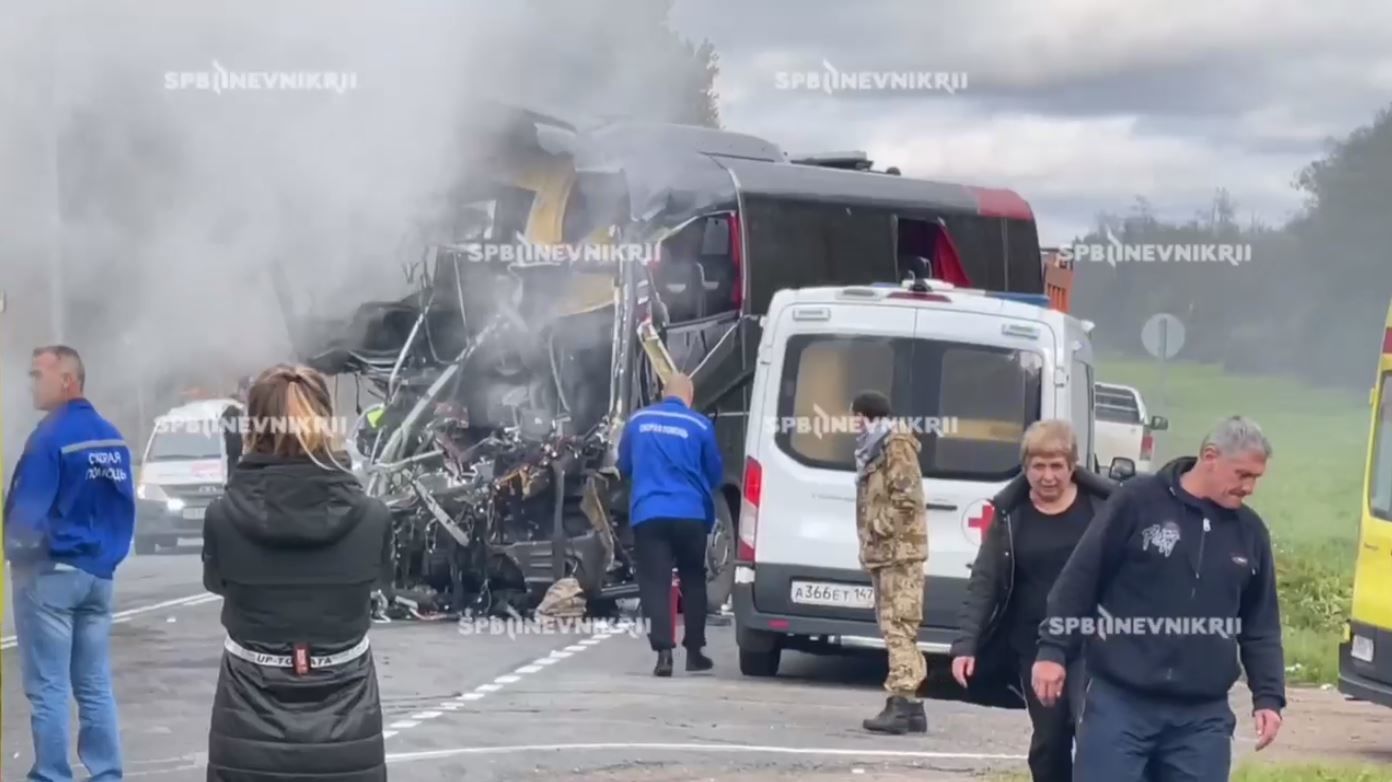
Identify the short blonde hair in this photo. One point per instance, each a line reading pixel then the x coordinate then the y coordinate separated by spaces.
pixel 1053 437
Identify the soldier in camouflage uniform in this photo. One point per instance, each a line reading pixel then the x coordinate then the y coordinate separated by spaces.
pixel 893 533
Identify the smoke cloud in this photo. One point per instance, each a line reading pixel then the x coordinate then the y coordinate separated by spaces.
pixel 142 207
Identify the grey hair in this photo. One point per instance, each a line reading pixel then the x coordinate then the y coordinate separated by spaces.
pixel 1235 435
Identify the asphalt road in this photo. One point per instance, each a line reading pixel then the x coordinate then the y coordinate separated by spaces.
pixel 579 705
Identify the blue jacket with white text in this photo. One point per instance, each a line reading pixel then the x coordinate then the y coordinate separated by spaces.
pixel 72 497
pixel 669 452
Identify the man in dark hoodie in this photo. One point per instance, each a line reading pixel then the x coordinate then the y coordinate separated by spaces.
pixel 1171 584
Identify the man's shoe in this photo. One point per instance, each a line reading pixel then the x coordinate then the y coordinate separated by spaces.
pixel 893 719
pixel 696 661
pixel 664 663
pixel 918 718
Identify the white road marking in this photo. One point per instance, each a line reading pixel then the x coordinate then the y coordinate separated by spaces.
pixel 748 748
pixel 536 666
pixel 123 616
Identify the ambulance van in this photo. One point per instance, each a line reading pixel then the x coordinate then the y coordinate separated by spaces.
pixel 1365 655
pixel 966 370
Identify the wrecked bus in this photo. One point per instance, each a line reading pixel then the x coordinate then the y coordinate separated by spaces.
pixel 503 385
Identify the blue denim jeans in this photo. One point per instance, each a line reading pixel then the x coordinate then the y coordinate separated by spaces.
pixel 63 623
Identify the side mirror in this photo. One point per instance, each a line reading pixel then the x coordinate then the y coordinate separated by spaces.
pixel 1159 423
pixel 1122 468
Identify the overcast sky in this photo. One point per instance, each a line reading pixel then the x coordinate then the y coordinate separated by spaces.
pixel 1079 105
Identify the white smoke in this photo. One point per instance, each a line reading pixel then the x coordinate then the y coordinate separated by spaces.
pixel 138 221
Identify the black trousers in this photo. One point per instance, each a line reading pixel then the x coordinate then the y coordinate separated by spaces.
pixel 661 545
pixel 1051 744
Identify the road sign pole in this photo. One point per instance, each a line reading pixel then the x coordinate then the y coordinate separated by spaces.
pixel 1164 365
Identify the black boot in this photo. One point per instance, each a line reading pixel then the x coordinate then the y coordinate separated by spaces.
pixel 664 663
pixel 696 661
pixel 918 718
pixel 893 719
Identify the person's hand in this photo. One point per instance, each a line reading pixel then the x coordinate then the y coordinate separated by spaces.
pixel 962 669
pixel 1268 725
pixel 1048 681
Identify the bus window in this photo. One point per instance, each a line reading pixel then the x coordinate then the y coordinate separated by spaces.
pixel 797 244
pixel 696 276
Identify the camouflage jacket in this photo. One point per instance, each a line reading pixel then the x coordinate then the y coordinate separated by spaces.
pixel 891 520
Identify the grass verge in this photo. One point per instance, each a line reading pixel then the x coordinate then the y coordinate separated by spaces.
pixel 1312 773
pixel 1309 497
pixel 1269 772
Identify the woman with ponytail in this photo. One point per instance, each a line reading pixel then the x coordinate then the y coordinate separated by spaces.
pixel 295 547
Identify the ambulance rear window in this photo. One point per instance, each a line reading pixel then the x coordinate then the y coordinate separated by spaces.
pixel 968 404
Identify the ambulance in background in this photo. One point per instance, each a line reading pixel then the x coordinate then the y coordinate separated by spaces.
pixel 1365 654
pixel 182 470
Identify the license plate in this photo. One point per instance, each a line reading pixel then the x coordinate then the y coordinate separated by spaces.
pixel 818 593
pixel 1362 649
pixel 194 514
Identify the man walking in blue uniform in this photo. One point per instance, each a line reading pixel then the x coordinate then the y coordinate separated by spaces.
pixel 69 517
pixel 669 453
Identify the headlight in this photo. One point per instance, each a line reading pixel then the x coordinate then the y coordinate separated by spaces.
pixel 174 504
pixel 150 491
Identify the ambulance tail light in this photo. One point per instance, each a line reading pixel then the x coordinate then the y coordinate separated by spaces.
pixel 1147 446
pixel 749 509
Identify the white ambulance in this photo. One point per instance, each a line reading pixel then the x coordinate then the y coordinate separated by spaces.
pixel 969 370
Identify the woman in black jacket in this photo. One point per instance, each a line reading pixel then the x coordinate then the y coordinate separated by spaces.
pixel 1039 518
pixel 295 548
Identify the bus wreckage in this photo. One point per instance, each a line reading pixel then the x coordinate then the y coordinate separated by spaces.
pixel 504 382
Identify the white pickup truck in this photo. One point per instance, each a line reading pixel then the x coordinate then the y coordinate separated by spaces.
pixel 1123 427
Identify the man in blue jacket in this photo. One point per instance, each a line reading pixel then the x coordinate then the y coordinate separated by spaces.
pixel 670 454
pixel 69 517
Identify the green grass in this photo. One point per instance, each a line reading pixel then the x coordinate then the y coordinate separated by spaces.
pixel 1253 772
pixel 1312 773
pixel 1309 497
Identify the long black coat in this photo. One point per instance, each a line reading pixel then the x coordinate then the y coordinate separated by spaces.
pixel 295 550
pixel 991 588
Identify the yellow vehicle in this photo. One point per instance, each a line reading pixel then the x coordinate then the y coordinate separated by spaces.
pixel 1365 656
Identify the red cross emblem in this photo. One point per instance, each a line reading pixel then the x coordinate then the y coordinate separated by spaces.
pixel 977 520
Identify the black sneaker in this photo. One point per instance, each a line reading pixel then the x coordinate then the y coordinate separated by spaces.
pixel 697 662
pixel 664 663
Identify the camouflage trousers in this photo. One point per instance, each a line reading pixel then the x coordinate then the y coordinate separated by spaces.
pixel 899 611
